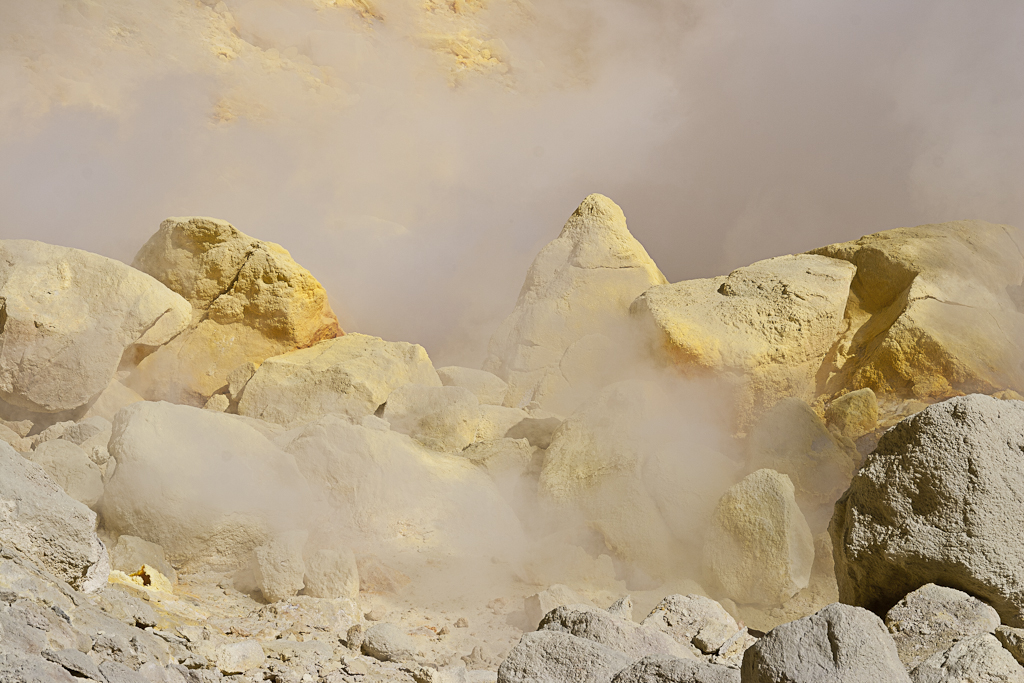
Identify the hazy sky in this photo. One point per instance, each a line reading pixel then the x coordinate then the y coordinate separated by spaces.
pixel 418 189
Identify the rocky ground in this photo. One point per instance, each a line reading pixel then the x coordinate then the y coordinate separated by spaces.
pixel 805 470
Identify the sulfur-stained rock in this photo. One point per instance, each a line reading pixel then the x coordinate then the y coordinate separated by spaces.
pixel 486 386
pixel 496 421
pixel 131 552
pixel 72 470
pixel 252 301
pixel 506 460
pixel 581 283
pixel 278 566
pixel 66 318
pixel 236 658
pixel 759 549
pixel 112 399
pixel 767 327
pixel 853 414
pixel 332 574
pixel 351 375
pixel 440 418
pixel 388 643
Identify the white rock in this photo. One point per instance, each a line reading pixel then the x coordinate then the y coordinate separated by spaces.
pixel 440 418
pixel 488 388
pixel 278 566
pixel 332 574
pixel 693 620
pixel 70 467
pixel 236 658
pixel 539 604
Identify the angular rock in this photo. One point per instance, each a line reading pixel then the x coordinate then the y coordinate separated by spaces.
pixel 67 318
pixel 555 657
pixel 115 672
pixel 979 658
pixel 252 301
pixel 600 626
pixel 839 644
pixel 236 658
pixel 539 604
pixel 39 519
pixel 506 460
pixel 75 662
pixel 693 620
pixel 1013 640
pixel 496 421
pixel 278 566
pixel 71 469
pixel 388 643
pixel 87 429
pixel 662 669
pixel 622 608
pixel 539 431
pixel 488 388
pixel 111 400
pixel 932 618
pixel 441 418
pixel 759 549
pixel 853 414
pixel 351 375
pixel 581 283
pixel 932 504
pixel 332 574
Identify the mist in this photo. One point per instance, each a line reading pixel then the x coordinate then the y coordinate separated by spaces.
pixel 416 176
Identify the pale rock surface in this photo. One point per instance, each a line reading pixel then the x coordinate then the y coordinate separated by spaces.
pixel 768 326
pixel 488 388
pixel 114 397
pixel 10 437
pixel 853 414
pixel 839 644
pixel 71 469
pixel 581 283
pixel 791 439
pixel 978 659
pixel 496 421
pixel 351 375
pixel 932 504
pixel 622 608
pixel 131 552
pixel 332 574
pixel 251 301
pixel 278 567
pixel 87 429
pixel 539 431
pixel 506 460
pixel 759 549
pixel 1013 640
pixel 218 403
pixel 600 626
pixel 388 643
pixel 693 620
pixel 236 658
pixel 440 418
pixel 39 519
pixel 932 618
pixel 539 604
pixel 555 657
pixel 934 310
pixel 172 463
pixel 662 669
pixel 67 318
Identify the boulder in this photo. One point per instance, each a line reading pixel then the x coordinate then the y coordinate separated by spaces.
pixel 440 418
pixel 251 302
pixel 932 618
pixel 488 388
pixel 766 327
pixel 1013 640
pixel 854 414
pixel 622 608
pixel 791 439
pixel 662 669
pixel 351 375
pixel 979 658
pixel 556 657
pixel 66 319
pixel 130 553
pixel 111 400
pixel 70 467
pixel 539 604
pixel 539 431
pixel 759 549
pixel 933 311
pixel 39 519
pixel 693 620
pixel 496 421
pixel 600 626
pixel 87 429
pixel 278 567
pixel 388 643
pixel 332 574
pixel 839 644
pixel 236 658
pixel 580 284
pixel 933 504
pixel 507 461
pixel 172 463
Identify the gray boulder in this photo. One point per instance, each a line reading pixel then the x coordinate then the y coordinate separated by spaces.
pixel 660 669
pixel 600 626
pixel 388 643
pixel 693 620
pixel 936 502
pixel 839 644
pixel 980 659
pixel 558 657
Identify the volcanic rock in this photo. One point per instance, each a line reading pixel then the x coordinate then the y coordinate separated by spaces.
pixel 131 552
pixel 488 388
pixel 853 414
pixel 440 418
pixel 979 658
pixel 332 574
pixel 555 657
pixel 71 469
pixel 693 620
pixel 600 626
pixel 278 566
pixel 662 669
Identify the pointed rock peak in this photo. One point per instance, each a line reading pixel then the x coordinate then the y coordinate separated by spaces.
pixel 596 212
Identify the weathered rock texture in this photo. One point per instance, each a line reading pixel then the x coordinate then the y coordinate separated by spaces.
pixel 351 375
pixel 662 669
pixel 935 503
pixel 71 469
pixel 440 418
pixel 251 301
pixel 854 414
pixel 553 657
pixel 693 620
pixel 580 284
pixel 979 658
pixel 600 626
pixel 487 387
pixel 66 318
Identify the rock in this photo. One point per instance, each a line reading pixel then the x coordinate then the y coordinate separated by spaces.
pixel 22 668
pixel 236 658
pixel 933 310
pixel 87 429
pixel 218 403
pixel 388 643
pixel 598 625
pixel 622 608
pixel 555 657
pixel 18 443
pixel 39 519
pixel 352 375
pixel 759 549
pixel 932 618
pixel 979 658
pixel 168 485
pixel 441 418
pixel 930 505
pixel 68 317
pixel 332 574
pixel 581 283
pixel 377 577
pixel 252 301
pixel 72 470
pixel 354 637
pixel 538 431
pixel 792 440
pixel 111 400
pixel 278 566
pixel 539 604
pixel 131 552
pixel 75 662
pixel 767 327
pixel 839 644
pixel 854 414
pixel 488 388
pixel 693 620
pixel 662 669
pixel 239 378
pixel 115 672
pixel 1013 640
pixel 496 421
pixel 505 460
